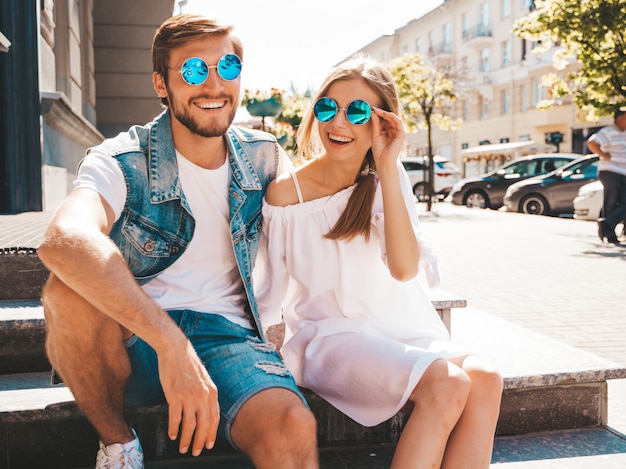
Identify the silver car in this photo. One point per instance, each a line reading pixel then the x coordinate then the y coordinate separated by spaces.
pixel 446 175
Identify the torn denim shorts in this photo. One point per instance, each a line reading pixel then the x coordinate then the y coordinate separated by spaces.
pixel 239 364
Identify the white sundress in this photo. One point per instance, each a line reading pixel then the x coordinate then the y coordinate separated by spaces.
pixel 354 335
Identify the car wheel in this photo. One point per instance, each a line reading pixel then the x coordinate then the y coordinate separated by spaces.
pixel 476 199
pixel 534 204
pixel 421 192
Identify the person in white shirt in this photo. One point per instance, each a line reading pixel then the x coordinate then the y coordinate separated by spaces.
pixel 339 259
pixel 150 299
pixel 610 145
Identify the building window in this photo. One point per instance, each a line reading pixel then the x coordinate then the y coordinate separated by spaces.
pixel 524 93
pixel 539 92
pixel 484 60
pixel 466 25
pixel 405 49
pixel 447 34
pixel 505 97
pixel 484 109
pixel 484 14
pixel 506 53
pixel 418 45
pixel 506 8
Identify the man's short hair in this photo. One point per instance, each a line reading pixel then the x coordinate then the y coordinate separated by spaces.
pixel 619 110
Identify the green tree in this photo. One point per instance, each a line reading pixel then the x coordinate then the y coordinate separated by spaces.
pixel 426 94
pixel 592 33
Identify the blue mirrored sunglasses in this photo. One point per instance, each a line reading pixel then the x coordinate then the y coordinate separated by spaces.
pixel 358 112
pixel 195 71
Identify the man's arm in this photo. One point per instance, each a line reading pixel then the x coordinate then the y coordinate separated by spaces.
pixel 595 148
pixel 78 250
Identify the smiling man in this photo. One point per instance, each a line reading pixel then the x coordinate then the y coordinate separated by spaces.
pixel 150 294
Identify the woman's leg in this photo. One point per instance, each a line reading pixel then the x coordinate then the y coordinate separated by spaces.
pixel 438 401
pixel 471 443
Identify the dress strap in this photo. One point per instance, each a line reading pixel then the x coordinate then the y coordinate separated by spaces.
pixel 295 183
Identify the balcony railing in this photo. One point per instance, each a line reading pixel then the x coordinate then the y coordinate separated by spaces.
pixel 441 48
pixel 480 31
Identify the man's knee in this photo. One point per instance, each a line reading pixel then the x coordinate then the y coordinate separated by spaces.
pixel 281 429
pixel 294 439
pixel 74 326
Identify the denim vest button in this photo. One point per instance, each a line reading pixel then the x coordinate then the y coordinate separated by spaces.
pixel 149 246
pixel 174 250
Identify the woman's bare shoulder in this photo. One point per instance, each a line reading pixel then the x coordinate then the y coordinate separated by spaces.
pixel 282 191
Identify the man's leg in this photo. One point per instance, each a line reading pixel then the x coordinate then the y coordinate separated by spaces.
pixel 262 411
pixel 86 348
pixel 276 430
pixel 611 183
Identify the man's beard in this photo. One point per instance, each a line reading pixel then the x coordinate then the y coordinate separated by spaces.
pixel 212 129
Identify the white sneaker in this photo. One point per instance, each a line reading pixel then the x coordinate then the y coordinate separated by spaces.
pixel 120 456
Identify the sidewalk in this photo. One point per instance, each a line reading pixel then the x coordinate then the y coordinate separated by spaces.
pixel 552 276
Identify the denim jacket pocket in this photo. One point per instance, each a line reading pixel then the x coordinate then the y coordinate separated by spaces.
pixel 147 248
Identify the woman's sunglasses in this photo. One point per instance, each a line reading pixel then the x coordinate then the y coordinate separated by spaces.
pixel 358 112
pixel 195 71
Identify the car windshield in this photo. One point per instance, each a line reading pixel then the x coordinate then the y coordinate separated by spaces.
pixel 581 169
pixel 446 165
pixel 532 167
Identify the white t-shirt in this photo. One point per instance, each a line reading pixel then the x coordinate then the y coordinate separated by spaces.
pixel 612 140
pixel 206 277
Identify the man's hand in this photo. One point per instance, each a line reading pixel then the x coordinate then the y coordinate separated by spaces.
pixel 192 399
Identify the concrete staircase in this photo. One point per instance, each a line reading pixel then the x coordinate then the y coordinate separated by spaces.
pixel 548 385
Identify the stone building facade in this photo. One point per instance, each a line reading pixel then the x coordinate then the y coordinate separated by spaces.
pixel 500 104
pixel 72 72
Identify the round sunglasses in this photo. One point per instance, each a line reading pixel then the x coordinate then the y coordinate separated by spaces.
pixel 195 71
pixel 358 112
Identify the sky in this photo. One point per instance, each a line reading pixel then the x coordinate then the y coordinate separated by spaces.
pixel 294 44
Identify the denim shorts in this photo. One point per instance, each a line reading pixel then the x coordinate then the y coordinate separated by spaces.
pixel 238 362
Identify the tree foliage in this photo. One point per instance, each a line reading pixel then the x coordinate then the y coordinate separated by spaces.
pixel 426 95
pixel 592 33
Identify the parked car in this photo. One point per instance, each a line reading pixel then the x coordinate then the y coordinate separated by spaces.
pixel 588 202
pixel 552 193
pixel 446 175
pixel 487 190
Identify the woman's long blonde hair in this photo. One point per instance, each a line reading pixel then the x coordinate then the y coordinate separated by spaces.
pixel 355 220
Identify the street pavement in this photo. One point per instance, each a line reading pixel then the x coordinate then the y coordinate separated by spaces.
pixel 555 277
pixel 550 275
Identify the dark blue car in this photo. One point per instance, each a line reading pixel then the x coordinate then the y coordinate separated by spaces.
pixel 552 193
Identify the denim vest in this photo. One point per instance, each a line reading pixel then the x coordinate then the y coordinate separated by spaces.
pixel 156 224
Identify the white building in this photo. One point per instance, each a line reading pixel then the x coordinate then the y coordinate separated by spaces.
pixel 500 106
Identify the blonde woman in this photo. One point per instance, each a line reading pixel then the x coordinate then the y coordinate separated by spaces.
pixel 338 259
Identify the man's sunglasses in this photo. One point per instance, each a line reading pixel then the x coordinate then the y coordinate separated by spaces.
pixel 358 112
pixel 195 71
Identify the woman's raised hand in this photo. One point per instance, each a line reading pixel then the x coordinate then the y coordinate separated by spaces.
pixel 387 137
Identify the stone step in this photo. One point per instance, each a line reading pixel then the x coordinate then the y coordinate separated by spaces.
pixel 22 274
pixel 22 337
pixel 548 386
